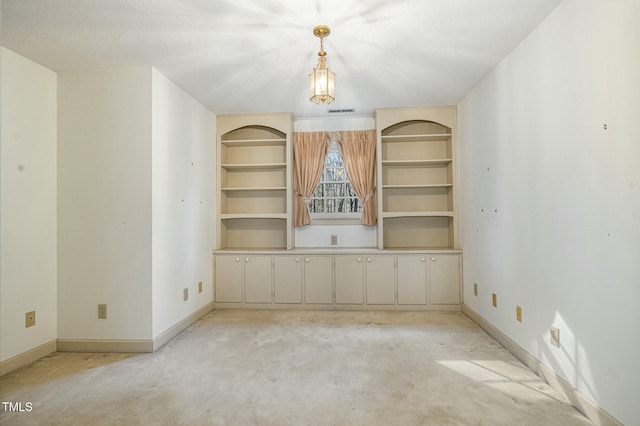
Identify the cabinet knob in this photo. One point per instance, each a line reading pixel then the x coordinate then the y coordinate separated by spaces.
pixel 422 259
pixel 246 259
pixel 359 259
pixel 433 259
pixel 237 259
pixel 369 260
pixel 297 259
pixel 307 260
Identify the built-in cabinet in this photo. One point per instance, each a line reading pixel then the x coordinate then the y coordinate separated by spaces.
pixel 347 280
pixel 287 272
pixel 443 289
pixel 257 278
pixel 412 272
pixel 318 279
pixel 380 274
pixel 416 264
pixel 243 278
pixel 228 275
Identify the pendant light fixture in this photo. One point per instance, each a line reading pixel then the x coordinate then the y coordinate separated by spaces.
pixel 322 88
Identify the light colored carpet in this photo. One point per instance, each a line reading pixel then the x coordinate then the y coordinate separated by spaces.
pixel 238 367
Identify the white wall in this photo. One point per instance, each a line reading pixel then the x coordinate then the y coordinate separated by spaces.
pixel 184 138
pixel 27 204
pixel 350 233
pixel 104 203
pixel 550 200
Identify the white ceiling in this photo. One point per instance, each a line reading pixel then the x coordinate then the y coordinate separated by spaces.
pixel 243 56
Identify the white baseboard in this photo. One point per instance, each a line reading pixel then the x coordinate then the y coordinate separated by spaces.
pixel 131 345
pixel 102 345
pixel 28 357
pixel 587 407
pixel 172 332
pixel 105 345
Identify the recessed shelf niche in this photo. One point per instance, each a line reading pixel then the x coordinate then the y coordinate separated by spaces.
pixel 254 181
pixel 416 204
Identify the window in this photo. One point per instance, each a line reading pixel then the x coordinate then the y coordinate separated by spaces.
pixel 334 194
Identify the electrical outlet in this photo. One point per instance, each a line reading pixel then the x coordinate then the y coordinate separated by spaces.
pixel 102 311
pixel 30 319
pixel 200 287
pixel 554 336
pixel 475 289
pixel 519 313
pixel 185 294
pixel 494 300
pixel 334 240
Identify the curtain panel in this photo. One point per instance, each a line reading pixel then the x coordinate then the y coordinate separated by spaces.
pixel 309 152
pixel 358 149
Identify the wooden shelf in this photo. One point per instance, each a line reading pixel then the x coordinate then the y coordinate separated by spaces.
pixel 435 162
pixel 229 216
pixel 416 138
pixel 263 166
pixel 418 214
pixel 431 185
pixel 418 230
pixel 254 142
pixel 257 188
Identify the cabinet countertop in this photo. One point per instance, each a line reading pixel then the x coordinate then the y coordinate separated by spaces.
pixel 335 251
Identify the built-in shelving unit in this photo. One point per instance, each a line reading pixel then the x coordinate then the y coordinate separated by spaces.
pixel 416 203
pixel 254 181
pixel 416 265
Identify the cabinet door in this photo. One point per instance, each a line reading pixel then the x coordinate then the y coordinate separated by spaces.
pixel 257 279
pixel 318 282
pixel 349 279
pixel 287 274
pixel 444 279
pixel 412 280
pixel 228 277
pixel 381 283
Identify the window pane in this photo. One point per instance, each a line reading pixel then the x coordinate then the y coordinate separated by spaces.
pixel 334 190
pixel 333 160
pixel 317 206
pixel 334 194
pixel 331 174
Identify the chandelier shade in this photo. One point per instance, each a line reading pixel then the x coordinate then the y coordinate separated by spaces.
pixel 322 81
